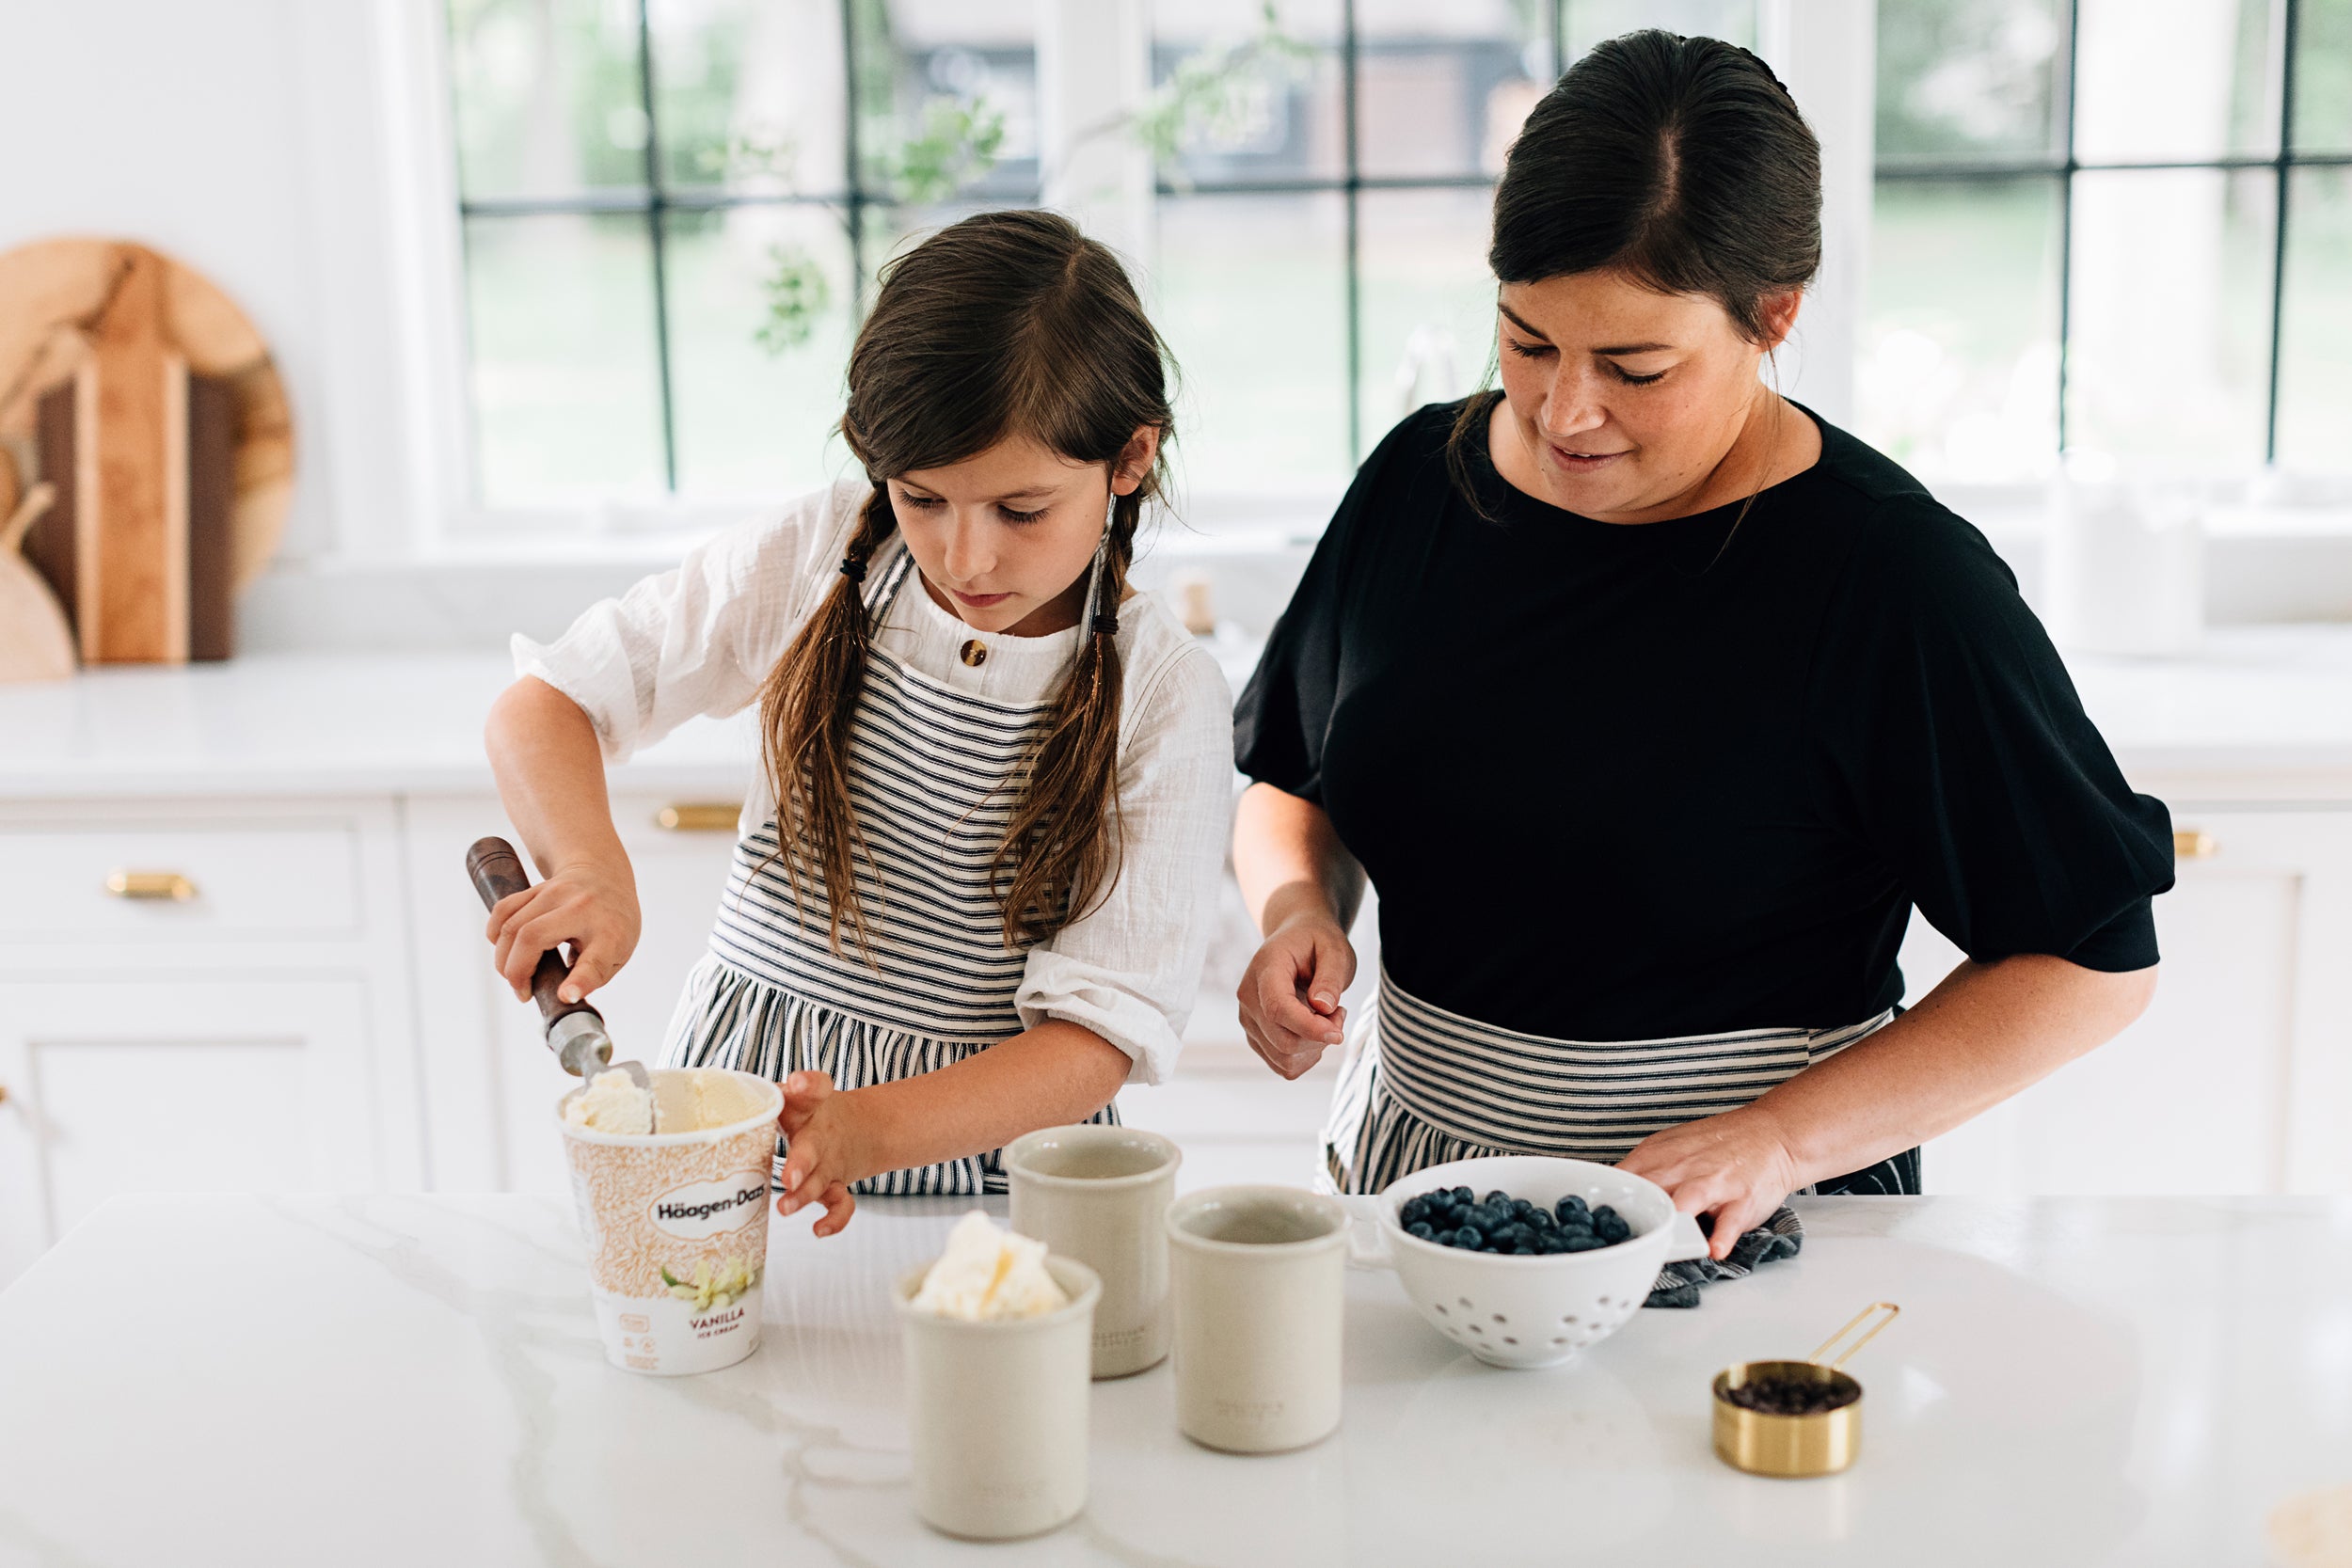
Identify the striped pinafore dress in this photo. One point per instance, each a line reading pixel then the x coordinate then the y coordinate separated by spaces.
pixel 1422 1086
pixel 929 769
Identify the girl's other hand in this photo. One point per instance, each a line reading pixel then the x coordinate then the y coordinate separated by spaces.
pixel 1735 1167
pixel 827 1139
pixel 592 907
pixel 1289 993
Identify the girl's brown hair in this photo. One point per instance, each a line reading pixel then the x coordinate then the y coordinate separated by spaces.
pixel 1006 323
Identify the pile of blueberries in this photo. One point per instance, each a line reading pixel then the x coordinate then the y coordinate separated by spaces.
pixel 1787 1396
pixel 1500 1223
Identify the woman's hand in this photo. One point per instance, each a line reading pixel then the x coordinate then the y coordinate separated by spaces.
pixel 1735 1168
pixel 589 905
pixel 826 1128
pixel 1289 993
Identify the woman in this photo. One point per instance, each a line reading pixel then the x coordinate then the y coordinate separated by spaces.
pixel 1651 704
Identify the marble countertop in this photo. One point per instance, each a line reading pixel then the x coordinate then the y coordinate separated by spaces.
pixel 2272 702
pixel 398 1380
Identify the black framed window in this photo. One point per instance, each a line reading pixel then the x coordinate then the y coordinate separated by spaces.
pixel 631 170
pixel 1321 266
pixel 639 183
pixel 2123 225
pixel 2114 226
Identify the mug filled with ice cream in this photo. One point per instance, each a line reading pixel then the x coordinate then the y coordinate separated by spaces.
pixel 999 1345
pixel 676 1220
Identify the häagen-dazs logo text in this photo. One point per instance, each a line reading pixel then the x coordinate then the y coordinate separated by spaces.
pixel 702 1209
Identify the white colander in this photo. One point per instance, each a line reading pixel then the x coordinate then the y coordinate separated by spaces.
pixel 1534 1312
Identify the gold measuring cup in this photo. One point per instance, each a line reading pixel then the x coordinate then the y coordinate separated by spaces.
pixel 1819 1444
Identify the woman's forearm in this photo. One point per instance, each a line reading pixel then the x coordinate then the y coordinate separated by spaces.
pixel 1987 1031
pixel 550 778
pixel 1289 860
pixel 1049 1076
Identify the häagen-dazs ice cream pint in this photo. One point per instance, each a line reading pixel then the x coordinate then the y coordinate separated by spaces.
pixel 675 1221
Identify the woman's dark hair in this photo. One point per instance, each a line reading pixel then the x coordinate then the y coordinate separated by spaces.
pixel 1681 162
pixel 1006 323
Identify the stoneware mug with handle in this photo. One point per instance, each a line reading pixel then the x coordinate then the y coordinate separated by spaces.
pixel 1099 1195
pixel 1258 1285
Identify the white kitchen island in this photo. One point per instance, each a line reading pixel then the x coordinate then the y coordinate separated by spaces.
pixel 411 1379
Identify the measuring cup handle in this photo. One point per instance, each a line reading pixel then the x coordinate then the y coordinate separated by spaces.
pixel 1367 1245
pixel 1685 1241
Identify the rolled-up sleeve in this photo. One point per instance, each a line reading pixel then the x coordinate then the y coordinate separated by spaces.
pixel 696 639
pixel 1131 969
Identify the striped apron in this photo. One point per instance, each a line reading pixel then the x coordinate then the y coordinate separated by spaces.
pixel 929 774
pixel 1422 1086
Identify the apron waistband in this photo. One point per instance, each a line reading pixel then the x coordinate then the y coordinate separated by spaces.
pixel 1586 1099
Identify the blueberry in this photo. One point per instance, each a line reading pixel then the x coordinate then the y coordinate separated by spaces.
pixel 1469 1238
pixel 1520 1208
pixel 1549 1242
pixel 1497 1200
pixel 1579 1241
pixel 1613 1230
pixel 1463 1194
pixel 1541 1219
pixel 1422 1231
pixel 1572 1204
pixel 1603 1213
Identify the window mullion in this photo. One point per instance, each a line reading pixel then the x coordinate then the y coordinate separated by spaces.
pixel 1353 193
pixel 2066 217
pixel 852 177
pixel 654 224
pixel 2279 225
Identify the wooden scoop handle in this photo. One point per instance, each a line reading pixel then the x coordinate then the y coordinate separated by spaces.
pixel 497 873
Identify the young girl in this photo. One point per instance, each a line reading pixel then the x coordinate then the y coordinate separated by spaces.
pixel 975 887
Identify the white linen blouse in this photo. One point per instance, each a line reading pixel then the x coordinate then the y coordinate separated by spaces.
pixel 700 640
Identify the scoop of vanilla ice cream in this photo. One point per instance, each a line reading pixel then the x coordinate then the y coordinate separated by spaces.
pixel 987 1272
pixel 612 1103
pixel 695 1098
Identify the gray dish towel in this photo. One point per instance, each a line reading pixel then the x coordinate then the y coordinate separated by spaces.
pixel 1782 1234
pixel 1779 1237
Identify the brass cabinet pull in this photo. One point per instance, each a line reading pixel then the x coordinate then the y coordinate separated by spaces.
pixel 698 817
pixel 150 885
pixel 2193 844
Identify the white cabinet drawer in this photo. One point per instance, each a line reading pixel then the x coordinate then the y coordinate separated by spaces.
pixel 73 882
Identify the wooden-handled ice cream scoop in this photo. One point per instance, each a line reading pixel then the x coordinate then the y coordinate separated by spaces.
pixel 575 1030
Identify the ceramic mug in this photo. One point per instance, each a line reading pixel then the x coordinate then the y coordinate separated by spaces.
pixel 1097 1195
pixel 996 1412
pixel 1257 1285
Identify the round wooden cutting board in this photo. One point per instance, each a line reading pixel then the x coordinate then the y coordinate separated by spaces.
pixel 52 291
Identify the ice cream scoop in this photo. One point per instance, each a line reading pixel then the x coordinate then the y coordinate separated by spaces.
pixel 575 1030
pixel 987 1272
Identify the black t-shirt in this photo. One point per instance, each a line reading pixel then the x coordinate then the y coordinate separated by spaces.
pixel 1627 782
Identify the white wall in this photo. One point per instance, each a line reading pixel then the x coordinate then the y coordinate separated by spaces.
pixel 245 138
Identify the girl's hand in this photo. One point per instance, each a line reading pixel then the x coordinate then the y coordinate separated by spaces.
pixel 828 1142
pixel 1289 993
pixel 1735 1167
pixel 590 906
